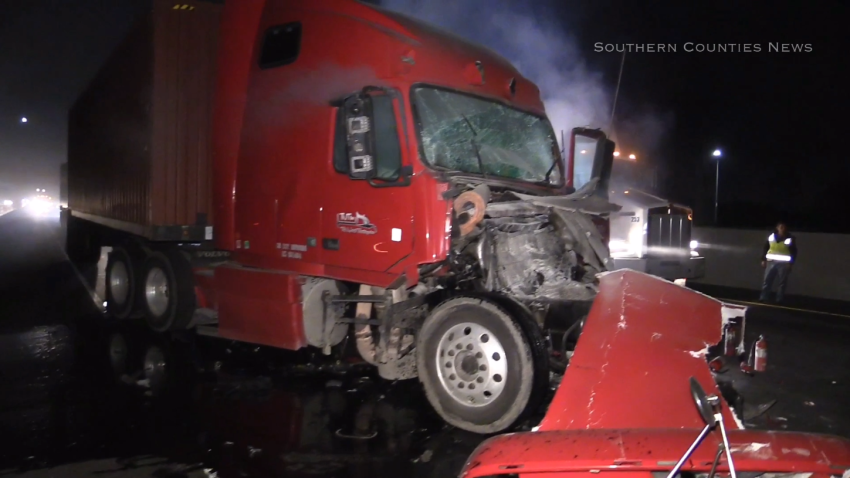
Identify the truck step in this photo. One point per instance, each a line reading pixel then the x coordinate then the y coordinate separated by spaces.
pixel 347 299
pixel 207 330
pixel 205 317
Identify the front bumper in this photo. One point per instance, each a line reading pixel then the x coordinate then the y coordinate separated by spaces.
pixel 667 268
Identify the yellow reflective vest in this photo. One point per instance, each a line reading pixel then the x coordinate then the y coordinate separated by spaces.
pixel 779 250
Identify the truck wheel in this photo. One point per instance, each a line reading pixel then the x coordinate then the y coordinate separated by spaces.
pixel 169 292
pixel 475 364
pixel 120 283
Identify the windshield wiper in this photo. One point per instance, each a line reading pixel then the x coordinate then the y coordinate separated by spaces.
pixel 551 169
pixel 475 146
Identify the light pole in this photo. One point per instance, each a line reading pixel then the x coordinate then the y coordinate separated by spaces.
pixel 717 154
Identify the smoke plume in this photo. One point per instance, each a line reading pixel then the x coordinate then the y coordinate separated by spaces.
pixel 574 95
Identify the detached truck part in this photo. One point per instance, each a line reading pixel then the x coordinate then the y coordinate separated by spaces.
pixel 653 235
pixel 289 173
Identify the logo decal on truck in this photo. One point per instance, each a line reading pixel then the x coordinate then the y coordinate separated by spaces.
pixel 355 223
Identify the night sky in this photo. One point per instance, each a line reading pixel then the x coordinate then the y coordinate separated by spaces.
pixel 778 117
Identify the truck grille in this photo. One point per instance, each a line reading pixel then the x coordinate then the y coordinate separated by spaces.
pixel 668 233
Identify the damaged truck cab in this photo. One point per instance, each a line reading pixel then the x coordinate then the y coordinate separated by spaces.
pixel 374 176
pixel 413 177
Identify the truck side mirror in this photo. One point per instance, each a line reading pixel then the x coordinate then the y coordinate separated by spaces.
pixel 373 135
pixel 591 157
pixel 359 138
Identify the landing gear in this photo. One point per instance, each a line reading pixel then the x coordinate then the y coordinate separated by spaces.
pixel 475 364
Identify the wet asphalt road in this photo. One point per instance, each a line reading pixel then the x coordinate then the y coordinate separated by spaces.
pixel 264 413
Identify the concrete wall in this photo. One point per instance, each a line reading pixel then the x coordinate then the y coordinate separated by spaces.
pixel 733 259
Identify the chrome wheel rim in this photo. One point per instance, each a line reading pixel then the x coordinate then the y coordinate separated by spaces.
pixel 119 282
pixel 155 368
pixel 471 364
pixel 156 291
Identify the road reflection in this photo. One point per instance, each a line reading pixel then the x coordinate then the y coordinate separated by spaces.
pixel 244 415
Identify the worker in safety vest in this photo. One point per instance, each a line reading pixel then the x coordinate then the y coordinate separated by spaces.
pixel 780 252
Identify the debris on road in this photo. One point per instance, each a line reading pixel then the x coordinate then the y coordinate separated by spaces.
pixel 425 457
pixel 758 411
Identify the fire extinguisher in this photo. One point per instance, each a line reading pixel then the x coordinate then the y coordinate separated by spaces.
pixel 760 363
pixel 731 344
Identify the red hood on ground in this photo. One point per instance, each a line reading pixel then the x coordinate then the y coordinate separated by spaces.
pixel 625 403
pixel 655 450
pixel 643 340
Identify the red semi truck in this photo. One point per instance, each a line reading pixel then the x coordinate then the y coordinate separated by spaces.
pixel 289 173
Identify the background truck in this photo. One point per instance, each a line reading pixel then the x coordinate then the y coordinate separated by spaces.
pixel 290 174
pixel 653 235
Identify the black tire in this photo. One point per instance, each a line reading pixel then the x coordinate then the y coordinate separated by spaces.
pixel 121 298
pixel 168 275
pixel 515 395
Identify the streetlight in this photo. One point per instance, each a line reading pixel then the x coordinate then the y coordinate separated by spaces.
pixel 717 154
pixel 24 119
pixel 632 157
pixel 616 154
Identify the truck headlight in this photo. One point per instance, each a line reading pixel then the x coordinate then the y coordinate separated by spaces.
pixel 694 244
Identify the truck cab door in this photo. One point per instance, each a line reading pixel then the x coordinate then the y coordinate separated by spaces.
pixel 590 161
pixel 367 212
pixel 589 164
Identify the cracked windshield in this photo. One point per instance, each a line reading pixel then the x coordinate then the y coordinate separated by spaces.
pixel 463 133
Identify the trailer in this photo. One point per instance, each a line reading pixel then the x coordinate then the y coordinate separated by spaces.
pixel 289 174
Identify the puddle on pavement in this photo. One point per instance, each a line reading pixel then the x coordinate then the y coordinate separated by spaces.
pixel 241 421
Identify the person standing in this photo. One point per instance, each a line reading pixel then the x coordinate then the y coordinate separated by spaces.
pixel 780 253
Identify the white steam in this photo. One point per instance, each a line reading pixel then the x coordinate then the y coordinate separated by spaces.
pixel 573 94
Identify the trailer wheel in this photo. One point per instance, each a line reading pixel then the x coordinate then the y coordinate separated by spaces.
pixel 121 288
pixel 169 292
pixel 475 364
